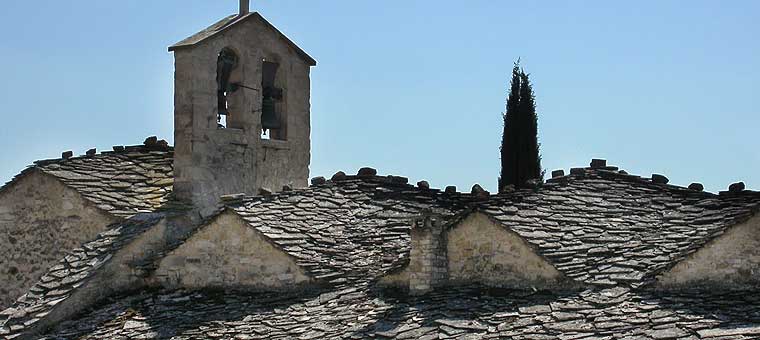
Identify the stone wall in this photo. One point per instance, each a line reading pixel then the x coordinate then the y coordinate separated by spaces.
pixel 116 276
pixel 730 261
pixel 40 220
pixel 229 254
pixel 476 250
pixel 210 162
pixel 427 258
pixel 482 251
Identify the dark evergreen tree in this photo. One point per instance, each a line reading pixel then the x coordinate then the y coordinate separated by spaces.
pixel 520 154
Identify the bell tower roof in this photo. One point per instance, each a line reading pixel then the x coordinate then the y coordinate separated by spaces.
pixel 232 21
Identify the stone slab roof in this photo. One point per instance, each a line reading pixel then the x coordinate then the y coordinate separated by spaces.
pixel 134 179
pixel 609 230
pixel 69 274
pixel 349 228
pixel 605 228
pixel 458 313
pixel 229 22
pixel 599 227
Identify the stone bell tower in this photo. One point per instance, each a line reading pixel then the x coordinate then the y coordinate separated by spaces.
pixel 241 111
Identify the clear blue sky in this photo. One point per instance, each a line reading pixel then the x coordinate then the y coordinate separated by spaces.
pixel 414 88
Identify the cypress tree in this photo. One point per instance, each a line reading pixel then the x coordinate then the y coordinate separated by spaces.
pixel 520 150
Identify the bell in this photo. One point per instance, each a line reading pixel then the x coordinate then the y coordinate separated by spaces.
pixel 268 115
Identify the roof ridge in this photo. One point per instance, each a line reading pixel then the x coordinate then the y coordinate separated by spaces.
pixel 599 167
pixel 140 172
pixel 364 175
pixel 151 143
pixel 227 23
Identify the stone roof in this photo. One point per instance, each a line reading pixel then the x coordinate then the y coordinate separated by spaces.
pixel 71 273
pixel 599 227
pixel 605 228
pixel 612 231
pixel 123 182
pixel 231 21
pixel 457 313
pixel 355 226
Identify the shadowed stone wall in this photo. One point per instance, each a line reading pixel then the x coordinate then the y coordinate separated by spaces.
pixel 730 261
pixel 210 162
pixel 40 220
pixel 229 254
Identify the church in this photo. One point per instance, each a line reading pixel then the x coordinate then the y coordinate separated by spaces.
pixel 224 236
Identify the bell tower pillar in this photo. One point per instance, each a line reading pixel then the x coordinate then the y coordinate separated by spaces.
pixel 241 111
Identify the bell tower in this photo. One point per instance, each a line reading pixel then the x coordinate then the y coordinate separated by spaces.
pixel 241 111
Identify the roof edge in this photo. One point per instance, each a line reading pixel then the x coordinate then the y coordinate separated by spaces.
pixel 232 20
pixel 653 277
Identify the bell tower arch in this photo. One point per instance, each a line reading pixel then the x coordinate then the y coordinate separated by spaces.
pixel 241 111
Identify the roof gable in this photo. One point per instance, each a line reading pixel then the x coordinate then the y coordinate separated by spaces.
pixel 227 253
pixel 598 227
pixel 132 180
pixel 481 250
pixel 67 287
pixel 353 229
pixel 356 228
pixel 605 228
pixel 234 20
pixel 729 261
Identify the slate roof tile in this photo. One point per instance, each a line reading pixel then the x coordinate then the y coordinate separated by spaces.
pixel 354 227
pixel 462 313
pixel 136 180
pixel 651 227
pixel 70 273
pixel 613 232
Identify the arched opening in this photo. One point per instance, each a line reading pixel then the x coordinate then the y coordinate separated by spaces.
pixel 273 115
pixel 227 62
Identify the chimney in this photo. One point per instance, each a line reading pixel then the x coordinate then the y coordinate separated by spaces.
pixel 245 7
pixel 428 264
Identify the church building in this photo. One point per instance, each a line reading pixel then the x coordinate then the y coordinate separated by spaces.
pixel 223 235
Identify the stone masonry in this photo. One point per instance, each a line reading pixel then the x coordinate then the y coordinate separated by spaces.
pixel 471 250
pixel 99 269
pixel 483 251
pixel 56 204
pixel 427 259
pixel 597 254
pixel 211 161
pixel 40 220
pixel 229 254
pixel 352 231
pixel 730 261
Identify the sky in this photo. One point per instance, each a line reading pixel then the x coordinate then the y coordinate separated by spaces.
pixel 413 88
